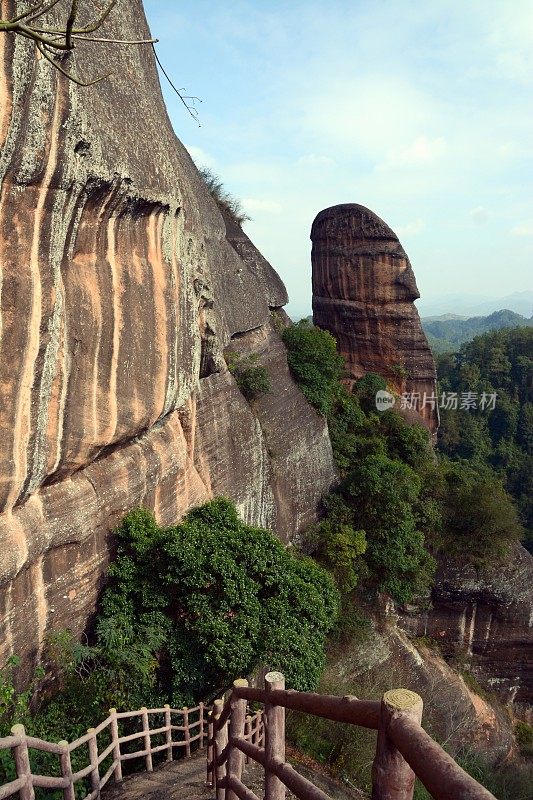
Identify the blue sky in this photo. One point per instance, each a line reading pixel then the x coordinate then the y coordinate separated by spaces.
pixel 421 111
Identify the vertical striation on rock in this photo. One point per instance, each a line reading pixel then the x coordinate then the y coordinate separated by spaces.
pixel 363 293
pixel 485 618
pixel 120 288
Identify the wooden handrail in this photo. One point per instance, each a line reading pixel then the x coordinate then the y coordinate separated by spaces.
pixel 440 774
pixel 19 743
pixel 297 784
pixel 404 749
pixel 364 713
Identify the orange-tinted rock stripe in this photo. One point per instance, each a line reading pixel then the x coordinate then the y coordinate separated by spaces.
pixel 111 427
pixel 159 268
pixel 22 423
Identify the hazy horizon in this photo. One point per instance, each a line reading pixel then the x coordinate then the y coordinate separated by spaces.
pixel 423 115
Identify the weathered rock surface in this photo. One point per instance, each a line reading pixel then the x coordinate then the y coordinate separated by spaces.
pixel 485 620
pixel 120 290
pixel 363 293
pixel 383 657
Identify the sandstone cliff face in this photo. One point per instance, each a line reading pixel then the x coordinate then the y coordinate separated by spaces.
pixel 119 292
pixel 363 293
pixel 486 620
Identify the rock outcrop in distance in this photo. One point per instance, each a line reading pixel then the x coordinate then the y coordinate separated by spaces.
pixel 120 289
pixel 363 293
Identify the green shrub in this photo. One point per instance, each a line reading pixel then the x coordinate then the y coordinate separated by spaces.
pixel 524 737
pixel 224 200
pixel 314 363
pixel 252 379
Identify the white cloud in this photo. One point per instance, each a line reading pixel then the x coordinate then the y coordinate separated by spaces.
pixel 479 215
pixel 253 204
pixel 314 160
pixel 200 157
pixel 411 228
pixel 526 229
pixel 367 114
pixel 422 151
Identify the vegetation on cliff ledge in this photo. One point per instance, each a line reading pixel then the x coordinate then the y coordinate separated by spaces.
pixel 396 506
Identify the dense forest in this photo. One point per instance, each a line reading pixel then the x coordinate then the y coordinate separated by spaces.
pixel 498 440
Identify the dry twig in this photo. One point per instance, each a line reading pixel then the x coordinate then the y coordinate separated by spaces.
pixel 52 41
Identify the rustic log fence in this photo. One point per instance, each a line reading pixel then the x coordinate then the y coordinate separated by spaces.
pixel 235 735
pixel 20 744
pixel 404 750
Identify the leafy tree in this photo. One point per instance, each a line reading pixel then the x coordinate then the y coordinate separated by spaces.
pixel 479 519
pixel 371 527
pixel 223 596
pixel 366 388
pixel 339 547
pixel 314 362
pixel 382 494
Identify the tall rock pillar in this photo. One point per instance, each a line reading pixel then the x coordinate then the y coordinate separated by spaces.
pixel 363 293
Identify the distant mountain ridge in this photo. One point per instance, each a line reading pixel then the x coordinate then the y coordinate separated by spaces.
pixel 450 331
pixel 466 305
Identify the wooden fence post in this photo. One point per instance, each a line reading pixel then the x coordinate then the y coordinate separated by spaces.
pixel 392 777
pixel 236 730
pixel 210 772
pixel 168 732
pixel 147 743
pixel 187 733
pixel 274 737
pixel 93 756
pixel 248 734
pixel 201 726
pixel 221 740
pixel 116 748
pixel 22 763
pixel 66 771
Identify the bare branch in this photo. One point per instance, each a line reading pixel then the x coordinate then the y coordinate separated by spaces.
pixel 190 107
pixel 38 38
pixel 70 24
pixel 68 75
pixel 113 41
pixel 55 40
pixel 97 23
pixel 50 40
pixel 27 14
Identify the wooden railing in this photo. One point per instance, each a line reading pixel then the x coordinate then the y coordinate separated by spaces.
pixel 20 745
pixel 234 736
pixel 404 750
pixel 218 735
